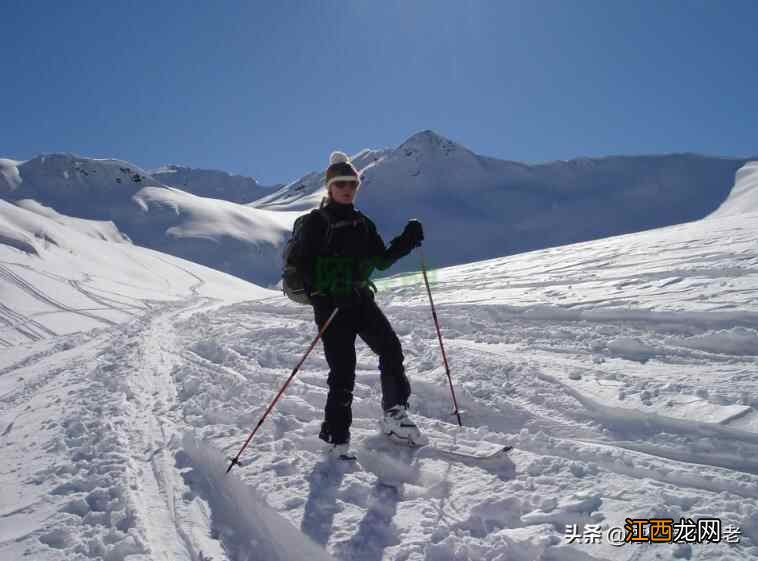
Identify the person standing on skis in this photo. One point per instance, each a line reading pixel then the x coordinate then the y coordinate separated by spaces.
pixel 340 249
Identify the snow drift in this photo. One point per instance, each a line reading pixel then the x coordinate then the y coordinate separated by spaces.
pixel 248 528
pixel 239 240
pixel 743 197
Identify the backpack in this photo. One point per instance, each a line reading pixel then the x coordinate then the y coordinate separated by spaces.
pixel 292 277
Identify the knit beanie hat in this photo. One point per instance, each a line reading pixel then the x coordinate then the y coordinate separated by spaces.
pixel 340 169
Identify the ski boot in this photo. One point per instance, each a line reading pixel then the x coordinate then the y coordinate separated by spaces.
pixel 397 425
pixel 338 450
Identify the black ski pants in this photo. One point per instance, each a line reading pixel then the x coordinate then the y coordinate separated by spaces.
pixel 364 318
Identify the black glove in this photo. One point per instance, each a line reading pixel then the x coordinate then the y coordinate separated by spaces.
pixel 413 232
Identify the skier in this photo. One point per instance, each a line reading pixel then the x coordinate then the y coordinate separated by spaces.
pixel 337 259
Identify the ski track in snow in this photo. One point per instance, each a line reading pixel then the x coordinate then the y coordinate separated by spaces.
pixel 567 445
pixel 213 373
pixel 7 274
pixel 115 440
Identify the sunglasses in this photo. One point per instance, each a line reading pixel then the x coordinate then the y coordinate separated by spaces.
pixel 344 184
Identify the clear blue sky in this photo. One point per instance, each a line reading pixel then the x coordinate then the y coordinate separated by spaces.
pixel 268 89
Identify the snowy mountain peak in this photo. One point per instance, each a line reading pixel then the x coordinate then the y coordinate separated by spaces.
pixel 428 140
pixel 428 136
pixel 66 178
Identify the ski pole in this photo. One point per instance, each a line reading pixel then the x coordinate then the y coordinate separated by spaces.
pixel 235 460
pixel 456 412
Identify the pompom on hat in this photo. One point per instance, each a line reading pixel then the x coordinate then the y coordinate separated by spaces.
pixel 338 157
pixel 340 169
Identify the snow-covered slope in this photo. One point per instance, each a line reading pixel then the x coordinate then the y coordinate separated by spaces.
pixel 233 238
pixel 213 184
pixel 306 193
pixel 68 295
pixel 236 239
pixel 60 275
pixel 104 230
pixel 474 207
pixel 743 197
pixel 624 371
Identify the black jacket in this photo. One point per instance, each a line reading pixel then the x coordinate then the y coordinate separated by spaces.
pixel 352 254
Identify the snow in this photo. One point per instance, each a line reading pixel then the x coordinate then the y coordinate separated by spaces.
pixel 104 229
pixel 237 239
pixel 247 527
pixel 744 195
pixel 212 183
pixel 127 201
pixel 60 275
pixel 215 219
pixel 734 341
pixel 63 181
pixel 623 371
pixel 233 224
pixel 301 195
pixel 480 207
pixel 10 178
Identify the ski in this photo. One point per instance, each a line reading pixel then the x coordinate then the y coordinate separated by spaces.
pixel 478 455
pixel 474 450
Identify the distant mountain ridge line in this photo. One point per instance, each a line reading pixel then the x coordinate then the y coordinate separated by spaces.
pixel 166 169
pixel 473 207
